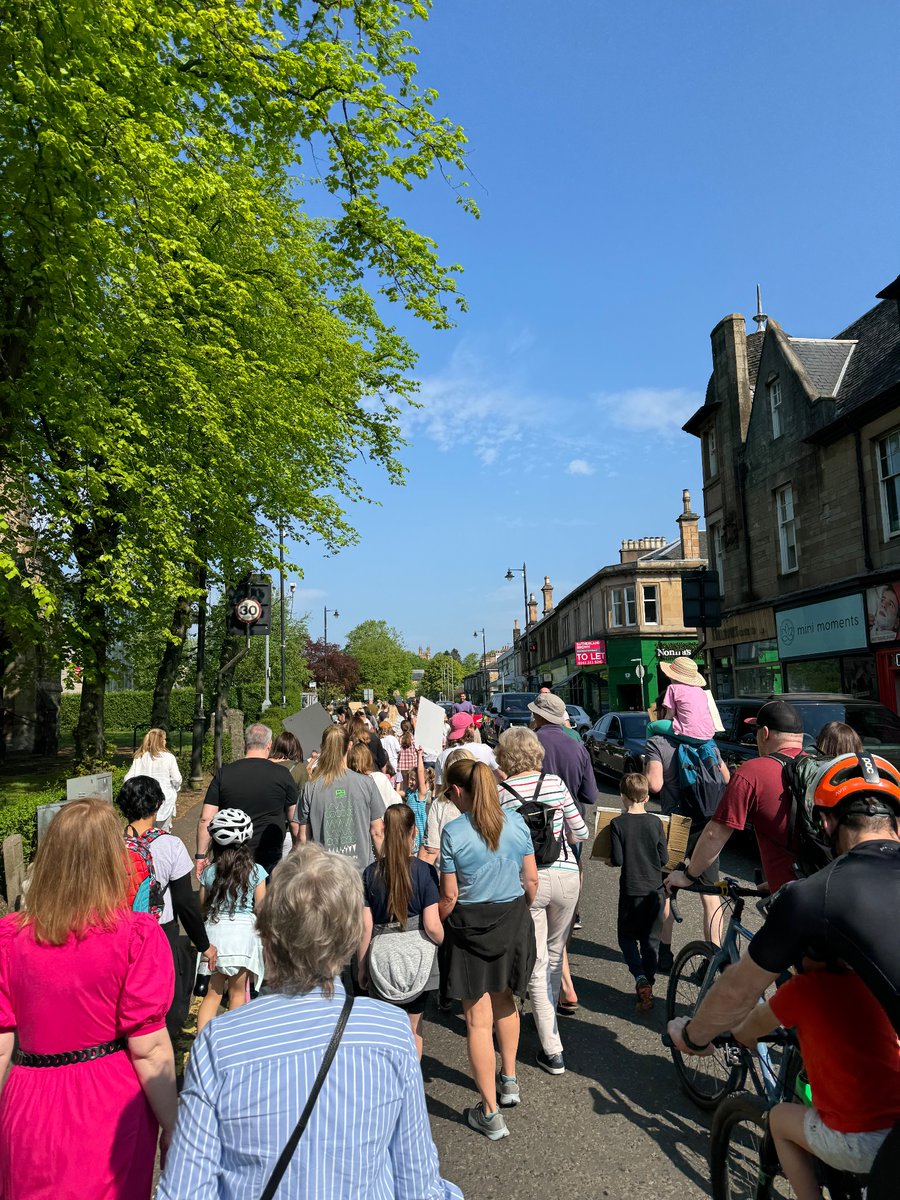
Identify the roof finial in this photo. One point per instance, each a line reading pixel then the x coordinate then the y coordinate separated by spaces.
pixel 761 319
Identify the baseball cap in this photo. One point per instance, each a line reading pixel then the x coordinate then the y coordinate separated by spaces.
pixel 459 723
pixel 550 707
pixel 779 716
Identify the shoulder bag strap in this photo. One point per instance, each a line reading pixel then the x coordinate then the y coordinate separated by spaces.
pixel 293 1141
pixel 540 784
pixel 512 791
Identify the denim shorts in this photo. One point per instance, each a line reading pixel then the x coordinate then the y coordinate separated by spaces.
pixel 853 1152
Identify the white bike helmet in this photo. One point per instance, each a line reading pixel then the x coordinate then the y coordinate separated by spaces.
pixel 230 827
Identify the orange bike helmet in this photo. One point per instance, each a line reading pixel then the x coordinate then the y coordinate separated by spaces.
pixel 859 783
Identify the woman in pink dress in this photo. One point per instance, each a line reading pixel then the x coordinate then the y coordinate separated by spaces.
pixel 85 985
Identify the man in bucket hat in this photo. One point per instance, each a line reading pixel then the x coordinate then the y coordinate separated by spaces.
pixel 755 793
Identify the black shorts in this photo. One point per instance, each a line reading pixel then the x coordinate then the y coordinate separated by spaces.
pixel 711 874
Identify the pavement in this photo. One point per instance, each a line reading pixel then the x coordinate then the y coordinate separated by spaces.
pixel 616 1124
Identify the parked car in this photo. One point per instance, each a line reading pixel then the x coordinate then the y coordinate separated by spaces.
pixel 878 727
pixel 616 743
pixel 579 719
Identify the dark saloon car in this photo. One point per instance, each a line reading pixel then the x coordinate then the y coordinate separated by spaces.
pixel 616 743
pixel 877 726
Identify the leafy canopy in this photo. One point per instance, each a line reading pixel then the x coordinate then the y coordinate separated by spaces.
pixel 188 355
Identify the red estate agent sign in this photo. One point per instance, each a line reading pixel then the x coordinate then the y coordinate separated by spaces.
pixel 590 654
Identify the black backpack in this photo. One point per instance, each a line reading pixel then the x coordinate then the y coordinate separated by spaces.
pixel 539 819
pixel 807 840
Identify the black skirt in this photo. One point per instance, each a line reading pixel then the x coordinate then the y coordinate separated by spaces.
pixel 489 948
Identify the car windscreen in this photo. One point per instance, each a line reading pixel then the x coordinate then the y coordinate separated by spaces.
pixel 516 705
pixel 875 724
pixel 635 727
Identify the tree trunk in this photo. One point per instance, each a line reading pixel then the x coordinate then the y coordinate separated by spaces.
pixel 169 664
pixel 90 743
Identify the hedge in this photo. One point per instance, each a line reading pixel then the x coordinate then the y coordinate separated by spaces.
pixel 18 813
pixel 124 710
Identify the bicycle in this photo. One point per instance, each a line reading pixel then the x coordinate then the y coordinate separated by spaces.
pixel 708 1080
pixel 742 1157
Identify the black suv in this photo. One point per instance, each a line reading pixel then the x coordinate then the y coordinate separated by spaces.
pixel 878 727
pixel 510 708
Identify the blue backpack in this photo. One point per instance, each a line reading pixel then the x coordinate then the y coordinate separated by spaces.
pixel 700 781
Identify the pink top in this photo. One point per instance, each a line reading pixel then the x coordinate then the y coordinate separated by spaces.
pixel 690 709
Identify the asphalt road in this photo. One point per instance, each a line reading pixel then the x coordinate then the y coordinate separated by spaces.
pixel 616 1124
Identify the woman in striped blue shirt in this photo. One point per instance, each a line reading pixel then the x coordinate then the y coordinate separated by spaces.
pixel 520 756
pixel 251 1070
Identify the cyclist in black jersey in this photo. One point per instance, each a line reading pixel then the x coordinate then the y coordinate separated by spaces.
pixel 849 909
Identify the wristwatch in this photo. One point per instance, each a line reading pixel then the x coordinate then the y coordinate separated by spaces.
pixel 201 857
pixel 691 1045
pixel 692 878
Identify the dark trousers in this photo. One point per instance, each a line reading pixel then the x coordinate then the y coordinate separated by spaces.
pixel 638 928
pixel 184 958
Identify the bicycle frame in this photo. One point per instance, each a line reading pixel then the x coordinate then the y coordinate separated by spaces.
pixel 765 1082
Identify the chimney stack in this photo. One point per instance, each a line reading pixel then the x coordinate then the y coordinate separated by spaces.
pixel 516 631
pixel 547 590
pixel 689 526
pixel 532 609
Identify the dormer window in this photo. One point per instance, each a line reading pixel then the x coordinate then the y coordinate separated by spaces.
pixel 774 390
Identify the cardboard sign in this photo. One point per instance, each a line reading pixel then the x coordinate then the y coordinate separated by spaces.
pixel 430 727
pixel 307 726
pixel 677 831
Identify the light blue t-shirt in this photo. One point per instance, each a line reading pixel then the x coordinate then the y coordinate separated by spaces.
pixel 244 906
pixel 485 876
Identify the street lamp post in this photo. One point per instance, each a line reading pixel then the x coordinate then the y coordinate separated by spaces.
pixel 283 639
pixel 509 575
pixel 334 612
pixel 484 682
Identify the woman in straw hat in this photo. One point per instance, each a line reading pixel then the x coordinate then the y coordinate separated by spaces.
pixel 689 710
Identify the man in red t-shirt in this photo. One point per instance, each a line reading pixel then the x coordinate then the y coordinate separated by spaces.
pixel 755 793
pixel 852 1059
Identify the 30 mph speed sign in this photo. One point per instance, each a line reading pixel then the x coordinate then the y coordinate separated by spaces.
pixel 248 610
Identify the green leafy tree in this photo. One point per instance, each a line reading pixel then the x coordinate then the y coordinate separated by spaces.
pixel 383 660
pixel 443 675
pixel 187 354
pixel 472 662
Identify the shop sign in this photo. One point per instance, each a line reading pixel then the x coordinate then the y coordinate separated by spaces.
pixel 883 612
pixel 590 654
pixel 756 626
pixel 678 650
pixel 824 628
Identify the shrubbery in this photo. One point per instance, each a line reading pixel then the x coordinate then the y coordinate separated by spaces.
pixel 18 812
pixel 124 710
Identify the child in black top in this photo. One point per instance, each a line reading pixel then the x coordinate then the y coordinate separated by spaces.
pixel 639 847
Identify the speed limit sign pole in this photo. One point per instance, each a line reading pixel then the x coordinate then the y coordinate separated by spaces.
pixel 247 610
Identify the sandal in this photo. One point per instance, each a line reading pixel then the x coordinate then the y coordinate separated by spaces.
pixel 567 1008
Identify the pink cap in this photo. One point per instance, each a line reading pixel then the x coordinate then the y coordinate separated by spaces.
pixel 459 723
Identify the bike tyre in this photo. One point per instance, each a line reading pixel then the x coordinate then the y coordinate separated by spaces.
pixel 706 1098
pixel 742 1109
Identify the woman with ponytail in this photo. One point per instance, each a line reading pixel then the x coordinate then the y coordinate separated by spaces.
pixel 488 880
pixel 401 895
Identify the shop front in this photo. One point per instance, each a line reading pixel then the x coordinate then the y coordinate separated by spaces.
pixel 824 647
pixel 743 653
pixel 636 677
pixel 580 677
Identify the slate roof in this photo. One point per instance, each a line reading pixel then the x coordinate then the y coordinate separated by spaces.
pixel 754 353
pixel 671 552
pixel 874 366
pixel 824 360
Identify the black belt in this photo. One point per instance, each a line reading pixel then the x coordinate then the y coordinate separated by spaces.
pixel 22 1058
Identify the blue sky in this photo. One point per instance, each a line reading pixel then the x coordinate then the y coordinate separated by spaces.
pixel 639 168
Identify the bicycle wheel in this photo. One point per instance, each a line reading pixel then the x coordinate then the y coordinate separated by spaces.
pixel 742 1160
pixel 709 1079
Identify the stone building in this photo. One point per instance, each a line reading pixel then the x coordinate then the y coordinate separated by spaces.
pixel 801 468
pixel 589 647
